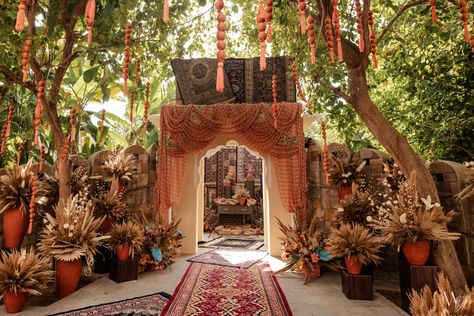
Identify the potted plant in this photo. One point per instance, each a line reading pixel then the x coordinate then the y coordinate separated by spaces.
pixel 411 223
pixel 23 273
pixel 241 195
pixel 356 244
pixel 358 207
pixel 343 174
pixel 126 238
pixel 119 170
pixel 110 207
pixel 70 237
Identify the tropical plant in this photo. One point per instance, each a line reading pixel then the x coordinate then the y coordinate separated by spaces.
pixel 128 233
pixel 357 207
pixel 356 241
pixel 73 232
pixel 24 272
pixel 119 166
pixel 443 301
pixel 109 205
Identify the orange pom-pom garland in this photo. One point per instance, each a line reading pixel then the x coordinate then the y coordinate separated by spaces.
pixel 465 19
pixel 38 109
pixel 337 27
pixel 269 18
pixel 34 188
pixel 166 11
pixel 41 166
pixel 360 28
pixel 373 44
pixel 132 101
pixel 11 111
pixel 302 8
pixel 4 137
pixel 433 10
pixel 329 37
pixel 25 59
pixel 126 57
pixel 262 37
pixel 221 45
pixel 311 38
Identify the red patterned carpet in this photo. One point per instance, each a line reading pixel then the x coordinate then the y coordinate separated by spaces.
pixel 211 290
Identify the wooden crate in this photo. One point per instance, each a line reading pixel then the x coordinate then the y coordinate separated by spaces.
pixel 415 277
pixel 357 287
pixel 123 271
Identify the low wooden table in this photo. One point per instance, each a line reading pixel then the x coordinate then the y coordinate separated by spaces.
pixel 236 209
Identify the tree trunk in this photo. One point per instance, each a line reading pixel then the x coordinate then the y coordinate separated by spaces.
pixel 410 163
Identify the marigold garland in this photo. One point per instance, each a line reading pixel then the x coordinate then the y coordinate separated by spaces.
pixel 275 102
pixel 262 37
pixel 373 44
pixel 360 28
pixel 337 27
pixel 11 111
pixel 90 16
pixel 126 58
pixel 132 102
pixel 325 153
pixel 34 189
pixel 137 70
pixel 20 17
pixel 4 136
pixel 221 45
pixel 311 38
pixel 25 59
pixel 433 10
pixel 41 165
pixel 72 120
pixel 38 109
pixel 269 18
pixel 166 11
pixel 302 8
pixel 147 105
pixel 465 19
pixel 329 37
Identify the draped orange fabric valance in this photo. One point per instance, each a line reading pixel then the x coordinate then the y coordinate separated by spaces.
pixel 191 128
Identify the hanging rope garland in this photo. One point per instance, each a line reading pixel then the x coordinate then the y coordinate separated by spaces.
pixel 360 28
pixel 275 102
pixel 269 18
pixel 11 111
pixel 166 11
pixel 90 17
pixel 126 58
pixel 20 17
pixel 329 37
pixel 221 45
pixel 302 8
pixel 34 188
pixel 147 105
pixel 132 101
pixel 25 59
pixel 337 27
pixel 325 153
pixel 465 19
pixel 433 11
pixel 262 37
pixel 38 109
pixel 4 136
pixel 137 70
pixel 41 165
pixel 311 38
pixel 72 120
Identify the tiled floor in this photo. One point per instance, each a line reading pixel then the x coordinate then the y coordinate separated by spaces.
pixel 322 297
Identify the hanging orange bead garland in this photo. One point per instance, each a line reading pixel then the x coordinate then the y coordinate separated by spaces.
pixel 166 11
pixel 360 28
pixel 18 155
pixel 329 37
pixel 25 59
pixel 20 17
pixel 262 37
pixel 337 27
pixel 11 111
pixel 300 89
pixel 41 165
pixel 132 101
pixel 269 18
pixel 311 38
pixel 137 70
pixel 64 149
pixel 433 10
pixel 126 58
pixel 147 105
pixel 38 109
pixel 4 137
pixel 302 8
pixel 221 45
pixel 373 44
pixel 325 153
pixel 72 120
pixel 90 17
pixel 275 102
pixel 465 19
pixel 34 188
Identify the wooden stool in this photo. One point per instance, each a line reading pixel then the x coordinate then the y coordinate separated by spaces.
pixel 123 271
pixel 415 277
pixel 357 287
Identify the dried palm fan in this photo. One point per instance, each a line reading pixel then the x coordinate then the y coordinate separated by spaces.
pixel 128 233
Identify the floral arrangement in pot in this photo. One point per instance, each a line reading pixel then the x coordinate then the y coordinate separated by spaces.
pixel 69 237
pixel 23 273
pixel 110 207
pixel 468 190
pixel 343 174
pixel 443 301
pixel 305 249
pixel 119 169
pixel 411 223
pixel 358 207
pixel 356 244
pixel 16 187
pixel 126 238
pixel 241 195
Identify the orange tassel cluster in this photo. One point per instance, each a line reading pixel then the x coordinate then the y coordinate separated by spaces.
pixel 325 153
pixel 20 17
pixel 126 58
pixel 221 45
pixel 262 36
pixel 275 103
pixel 11 111
pixel 337 26
pixel 34 188
pixel 132 102
pixel 72 120
pixel 25 59
pixel 39 109
pixel 102 120
pixel 137 70
pixel 147 105
pixel 373 44
pixel 64 149
pixel 166 11
pixel 18 156
pixel 269 18
pixel 41 166
pixel 90 17
pixel 311 38
pixel 329 37
pixel 465 19
pixel 360 28
pixel 302 8
pixel 4 136
pixel 433 10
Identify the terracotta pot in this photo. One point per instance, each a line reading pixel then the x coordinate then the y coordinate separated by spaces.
pixel 242 200
pixel 15 224
pixel 343 191
pixel 417 253
pixel 14 303
pixel 106 225
pixel 121 189
pixel 68 275
pixel 123 252
pixel 353 266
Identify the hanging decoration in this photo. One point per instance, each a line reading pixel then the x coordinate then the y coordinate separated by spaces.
pixel 166 11
pixel 34 189
pixel 302 8
pixel 132 101
pixel 41 165
pixel 275 103
pixel 433 11
pixel 269 18
pixel 137 70
pixel 465 19
pixel 360 28
pixel 72 120
pixel 329 37
pixel 25 59
pixel 11 111
pixel 90 16
pixel 373 44
pixel 126 58
pixel 20 17
pixel 18 157
pixel 102 121
pixel 325 153
pixel 38 109
pixel 147 105
pixel 4 137
pixel 311 38
pixel 337 27
pixel 221 45
pixel 262 37
pixel 64 149
pixel 300 89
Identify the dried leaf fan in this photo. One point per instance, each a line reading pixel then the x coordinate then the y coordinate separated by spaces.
pixel 20 17
pixel 221 45
pixel 90 17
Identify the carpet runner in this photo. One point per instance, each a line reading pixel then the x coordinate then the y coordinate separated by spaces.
pixel 242 242
pixel 210 290
pixel 230 258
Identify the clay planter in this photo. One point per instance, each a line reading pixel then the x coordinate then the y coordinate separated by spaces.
pixel 106 225
pixel 68 275
pixel 123 252
pixel 242 200
pixel 353 266
pixel 121 189
pixel 15 224
pixel 343 191
pixel 14 303
pixel 417 253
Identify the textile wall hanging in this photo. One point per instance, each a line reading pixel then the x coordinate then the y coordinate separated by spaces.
pixel 189 129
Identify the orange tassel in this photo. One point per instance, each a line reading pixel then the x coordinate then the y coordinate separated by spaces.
pixel 263 60
pixel 269 34
pixel 221 45
pixel 298 84
pixel 433 11
pixel 339 49
pixel 220 77
pixel 302 7
pixel 11 111
pixel 166 11
pixel 465 19
pixel 90 17
pixel 262 37
pixel 20 17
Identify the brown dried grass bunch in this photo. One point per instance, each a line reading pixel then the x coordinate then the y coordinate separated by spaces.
pixel 110 205
pixel 468 190
pixel 357 207
pixel 50 188
pixel 128 233
pixel 345 172
pixel 24 271
pixel 442 302
pixel 73 232
pixel 356 241
pixel 410 219
pixel 119 166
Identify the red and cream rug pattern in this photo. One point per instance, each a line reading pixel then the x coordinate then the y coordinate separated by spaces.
pixel 211 290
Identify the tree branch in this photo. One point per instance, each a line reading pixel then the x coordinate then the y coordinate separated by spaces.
pixel 402 10
pixel 10 76
pixel 337 91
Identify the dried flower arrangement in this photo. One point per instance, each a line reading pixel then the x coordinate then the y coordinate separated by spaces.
pixel 344 173
pixel 109 205
pixel 305 249
pixel 119 166
pixel 443 301
pixel 393 176
pixel 160 247
pixel 468 190
pixel 357 208
pixel 241 193
pixel 128 233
